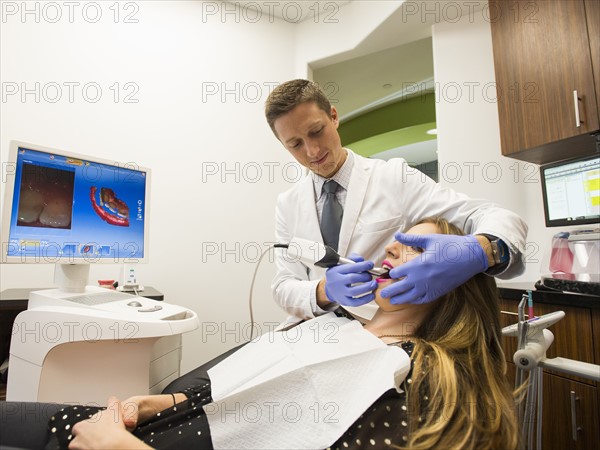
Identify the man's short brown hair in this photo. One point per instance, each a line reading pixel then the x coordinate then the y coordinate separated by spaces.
pixel 290 94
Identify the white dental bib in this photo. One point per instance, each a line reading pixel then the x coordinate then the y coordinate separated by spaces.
pixel 300 389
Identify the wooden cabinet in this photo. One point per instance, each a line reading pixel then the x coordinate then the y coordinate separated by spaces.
pixel 546 64
pixel 570 404
pixel 570 414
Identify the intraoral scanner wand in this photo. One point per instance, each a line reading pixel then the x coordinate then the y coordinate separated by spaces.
pixel 313 253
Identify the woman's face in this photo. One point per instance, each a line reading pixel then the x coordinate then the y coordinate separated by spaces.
pixel 397 254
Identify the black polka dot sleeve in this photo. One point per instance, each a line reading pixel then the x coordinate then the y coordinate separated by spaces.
pixel 181 426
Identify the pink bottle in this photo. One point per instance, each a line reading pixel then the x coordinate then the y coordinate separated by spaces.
pixel 561 259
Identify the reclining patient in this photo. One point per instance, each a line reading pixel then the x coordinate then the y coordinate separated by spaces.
pixel 455 395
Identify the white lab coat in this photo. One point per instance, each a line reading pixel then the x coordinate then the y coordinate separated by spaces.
pixel 383 197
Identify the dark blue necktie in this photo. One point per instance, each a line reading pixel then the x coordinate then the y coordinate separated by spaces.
pixel 331 218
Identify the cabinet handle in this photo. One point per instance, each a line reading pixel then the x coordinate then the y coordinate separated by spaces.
pixel 574 427
pixel 576 100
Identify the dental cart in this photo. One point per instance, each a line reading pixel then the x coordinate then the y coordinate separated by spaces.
pixel 81 348
pixel 533 340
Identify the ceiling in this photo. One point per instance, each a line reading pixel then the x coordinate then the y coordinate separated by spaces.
pixel 397 52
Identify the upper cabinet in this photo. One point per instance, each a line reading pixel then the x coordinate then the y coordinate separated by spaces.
pixel 547 74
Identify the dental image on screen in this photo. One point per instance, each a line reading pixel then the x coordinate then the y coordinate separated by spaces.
pixel 45 197
pixel 65 207
pixel 573 190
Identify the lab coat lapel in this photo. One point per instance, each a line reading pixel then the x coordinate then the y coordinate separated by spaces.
pixel 354 201
pixel 307 217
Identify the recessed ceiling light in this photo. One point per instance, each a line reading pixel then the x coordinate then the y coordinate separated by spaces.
pixel 432 131
pixel 387 86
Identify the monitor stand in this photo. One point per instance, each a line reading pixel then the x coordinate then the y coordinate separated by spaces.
pixel 72 285
pixel 71 277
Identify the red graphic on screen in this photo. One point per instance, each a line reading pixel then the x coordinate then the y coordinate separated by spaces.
pixel 109 207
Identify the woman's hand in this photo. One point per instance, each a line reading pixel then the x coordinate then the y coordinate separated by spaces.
pixel 136 410
pixel 140 408
pixel 104 430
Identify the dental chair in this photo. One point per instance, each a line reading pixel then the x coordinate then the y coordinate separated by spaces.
pixel 19 417
pixel 199 375
pixel 23 418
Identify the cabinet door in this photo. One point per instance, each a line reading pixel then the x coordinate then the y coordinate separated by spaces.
pixel 570 413
pixel 592 13
pixel 542 56
pixel 570 419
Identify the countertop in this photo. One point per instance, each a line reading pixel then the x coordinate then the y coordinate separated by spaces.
pixel 514 291
pixel 13 299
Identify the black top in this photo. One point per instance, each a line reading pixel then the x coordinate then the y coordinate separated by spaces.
pixel 383 425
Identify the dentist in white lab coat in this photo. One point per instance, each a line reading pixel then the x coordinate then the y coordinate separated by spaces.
pixel 378 199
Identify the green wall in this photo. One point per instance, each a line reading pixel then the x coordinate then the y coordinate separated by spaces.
pixel 412 114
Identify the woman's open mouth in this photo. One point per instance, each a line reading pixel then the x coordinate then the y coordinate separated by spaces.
pixel 385 276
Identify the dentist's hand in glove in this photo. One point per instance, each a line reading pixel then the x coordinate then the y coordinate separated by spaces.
pixel 350 284
pixel 447 262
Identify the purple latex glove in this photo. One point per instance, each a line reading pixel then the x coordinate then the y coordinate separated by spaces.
pixel 339 280
pixel 447 262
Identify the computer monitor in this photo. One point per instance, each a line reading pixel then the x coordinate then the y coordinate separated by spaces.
pixel 571 191
pixel 73 210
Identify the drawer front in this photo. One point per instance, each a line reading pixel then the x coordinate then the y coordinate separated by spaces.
pixel 164 366
pixel 164 345
pixel 570 419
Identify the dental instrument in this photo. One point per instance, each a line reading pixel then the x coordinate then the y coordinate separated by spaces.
pixel 311 253
pixel 320 255
pixel 530 305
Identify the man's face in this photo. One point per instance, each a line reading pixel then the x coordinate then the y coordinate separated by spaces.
pixel 311 136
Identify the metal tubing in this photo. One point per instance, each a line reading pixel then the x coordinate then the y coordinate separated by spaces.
pixel 540 406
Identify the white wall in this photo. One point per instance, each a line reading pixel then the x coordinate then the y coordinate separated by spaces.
pixel 468 132
pixel 174 52
pixel 205 233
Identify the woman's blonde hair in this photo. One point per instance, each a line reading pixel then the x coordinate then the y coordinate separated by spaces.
pixel 459 397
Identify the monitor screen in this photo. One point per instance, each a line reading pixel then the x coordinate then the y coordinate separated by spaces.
pixel 571 191
pixel 69 208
